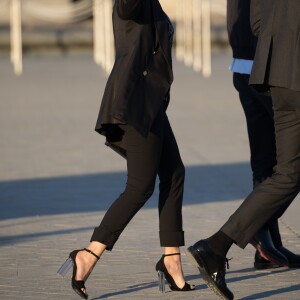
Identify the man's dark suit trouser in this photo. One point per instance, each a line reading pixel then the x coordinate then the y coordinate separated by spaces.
pixel 259 115
pixel 157 154
pixel 279 190
pixel 260 126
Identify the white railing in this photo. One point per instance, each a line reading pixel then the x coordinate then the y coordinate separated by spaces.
pixel 104 51
pixel 16 36
pixel 64 13
pixel 192 18
pixel 193 34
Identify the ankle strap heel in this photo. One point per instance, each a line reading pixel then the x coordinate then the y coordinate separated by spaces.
pixel 163 274
pixel 91 252
pixel 77 285
pixel 172 254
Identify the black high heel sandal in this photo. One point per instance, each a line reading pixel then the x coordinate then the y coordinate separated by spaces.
pixel 163 274
pixel 77 285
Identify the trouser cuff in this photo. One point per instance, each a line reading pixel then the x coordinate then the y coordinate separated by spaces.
pixel 240 238
pixel 105 237
pixel 171 239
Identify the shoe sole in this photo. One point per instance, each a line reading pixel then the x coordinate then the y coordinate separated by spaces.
pixel 274 266
pixel 266 266
pixel 198 262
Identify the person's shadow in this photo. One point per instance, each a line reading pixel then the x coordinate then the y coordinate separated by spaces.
pixel 95 192
pixel 256 275
pixel 271 292
pixel 144 286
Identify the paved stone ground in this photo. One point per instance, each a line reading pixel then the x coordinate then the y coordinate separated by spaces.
pixel 57 179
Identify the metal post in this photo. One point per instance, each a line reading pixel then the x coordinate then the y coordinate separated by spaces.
pixel 206 36
pixel 95 31
pixel 109 39
pixel 16 36
pixel 98 24
pixel 197 35
pixel 188 32
pixel 179 30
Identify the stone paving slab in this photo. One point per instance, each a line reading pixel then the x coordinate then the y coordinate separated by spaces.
pixel 57 179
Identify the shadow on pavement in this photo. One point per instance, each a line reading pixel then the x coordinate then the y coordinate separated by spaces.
pixel 262 295
pixel 254 275
pixel 147 285
pixel 129 290
pixel 94 192
pixel 270 293
pixel 23 238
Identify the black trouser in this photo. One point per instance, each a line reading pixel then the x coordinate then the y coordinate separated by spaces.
pixel 261 134
pixel 278 191
pixel 147 157
pixel 260 125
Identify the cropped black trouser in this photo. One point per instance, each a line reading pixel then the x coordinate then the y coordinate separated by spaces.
pixel 276 193
pixel 147 157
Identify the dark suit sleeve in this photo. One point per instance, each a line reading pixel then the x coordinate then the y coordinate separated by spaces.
pixel 255 16
pixel 128 9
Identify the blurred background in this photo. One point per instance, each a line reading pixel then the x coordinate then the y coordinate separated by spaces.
pixel 77 26
pixel 57 178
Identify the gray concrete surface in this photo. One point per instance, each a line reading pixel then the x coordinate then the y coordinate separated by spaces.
pixel 57 179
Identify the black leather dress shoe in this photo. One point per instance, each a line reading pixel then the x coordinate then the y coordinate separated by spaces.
pixel 263 243
pixel 212 268
pixel 262 264
pixel 294 259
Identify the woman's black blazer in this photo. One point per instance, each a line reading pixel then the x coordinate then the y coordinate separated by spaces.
pixel 142 73
pixel 277 58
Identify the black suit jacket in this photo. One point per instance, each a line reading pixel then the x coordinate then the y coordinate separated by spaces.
pixel 241 39
pixel 277 58
pixel 142 73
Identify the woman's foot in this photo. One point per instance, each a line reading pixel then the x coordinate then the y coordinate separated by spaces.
pixel 169 267
pixel 85 263
pixel 174 268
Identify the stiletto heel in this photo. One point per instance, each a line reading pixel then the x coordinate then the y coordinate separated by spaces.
pixel 163 273
pixel 65 268
pixel 161 281
pixel 77 285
